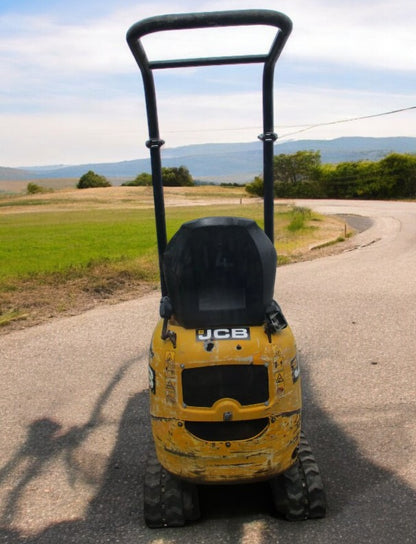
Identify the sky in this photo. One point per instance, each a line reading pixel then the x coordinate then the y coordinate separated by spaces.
pixel 71 92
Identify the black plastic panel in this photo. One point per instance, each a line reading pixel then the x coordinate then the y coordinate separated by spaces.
pixel 219 271
pixel 247 384
pixel 224 431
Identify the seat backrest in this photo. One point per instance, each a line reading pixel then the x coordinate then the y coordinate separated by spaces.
pixel 219 271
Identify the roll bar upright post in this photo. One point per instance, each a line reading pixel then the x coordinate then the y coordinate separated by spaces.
pixel 208 20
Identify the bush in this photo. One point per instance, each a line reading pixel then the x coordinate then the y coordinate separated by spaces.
pixel 295 167
pixel 141 180
pixel 33 189
pixel 171 177
pixel 177 177
pixel 301 175
pixel 256 187
pixel 299 216
pixel 394 176
pixel 302 189
pixel 91 179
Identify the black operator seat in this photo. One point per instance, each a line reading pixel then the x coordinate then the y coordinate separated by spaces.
pixel 220 271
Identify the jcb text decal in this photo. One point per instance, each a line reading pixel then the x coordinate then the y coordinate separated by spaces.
pixel 241 333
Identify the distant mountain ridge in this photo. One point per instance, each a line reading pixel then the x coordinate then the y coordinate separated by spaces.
pixel 217 161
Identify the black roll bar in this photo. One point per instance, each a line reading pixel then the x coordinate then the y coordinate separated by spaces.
pixel 208 20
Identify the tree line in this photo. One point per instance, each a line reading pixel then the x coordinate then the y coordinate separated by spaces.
pixel 302 175
pixel 171 177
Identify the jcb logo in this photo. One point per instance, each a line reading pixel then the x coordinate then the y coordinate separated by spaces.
pixel 242 333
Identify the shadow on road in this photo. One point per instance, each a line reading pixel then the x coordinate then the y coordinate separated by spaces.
pixel 115 513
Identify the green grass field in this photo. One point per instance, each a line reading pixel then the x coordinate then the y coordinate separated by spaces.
pixel 41 243
pixel 38 244
pixel 64 252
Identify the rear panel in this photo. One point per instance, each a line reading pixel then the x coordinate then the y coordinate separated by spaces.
pixel 226 400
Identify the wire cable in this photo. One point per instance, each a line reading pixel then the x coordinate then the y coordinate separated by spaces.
pixel 348 120
pixel 305 126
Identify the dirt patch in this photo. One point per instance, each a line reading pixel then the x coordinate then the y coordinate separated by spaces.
pixel 42 302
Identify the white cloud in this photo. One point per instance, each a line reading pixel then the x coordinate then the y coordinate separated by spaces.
pixel 63 84
pixel 364 33
pixel 86 132
pixel 377 35
pixel 322 106
pixel 116 129
pixel 52 47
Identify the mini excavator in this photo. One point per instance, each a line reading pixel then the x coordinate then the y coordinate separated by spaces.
pixel 225 387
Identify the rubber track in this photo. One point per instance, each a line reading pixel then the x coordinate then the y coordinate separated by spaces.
pixel 312 478
pixel 168 501
pixel 298 493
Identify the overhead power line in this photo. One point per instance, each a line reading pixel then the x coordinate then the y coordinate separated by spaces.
pixel 339 121
pixel 303 128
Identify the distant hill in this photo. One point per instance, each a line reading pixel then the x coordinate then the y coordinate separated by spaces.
pixel 240 161
pixel 14 174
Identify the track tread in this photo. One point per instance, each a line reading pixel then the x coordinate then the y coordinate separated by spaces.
pixel 313 480
pixel 298 492
pixel 168 501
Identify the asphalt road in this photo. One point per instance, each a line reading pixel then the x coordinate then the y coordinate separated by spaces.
pixel 75 429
